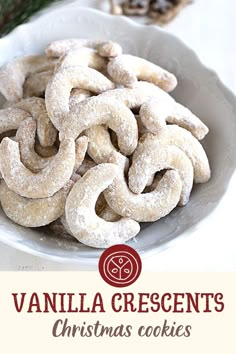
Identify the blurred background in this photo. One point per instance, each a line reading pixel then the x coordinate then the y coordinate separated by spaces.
pixel 15 12
pixel 208 26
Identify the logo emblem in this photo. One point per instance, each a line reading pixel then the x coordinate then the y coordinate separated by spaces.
pixel 120 265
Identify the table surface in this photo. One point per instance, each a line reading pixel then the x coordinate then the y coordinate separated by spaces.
pixel 208 27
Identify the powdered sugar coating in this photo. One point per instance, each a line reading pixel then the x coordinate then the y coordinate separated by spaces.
pixel 185 141
pixel 35 106
pixel 83 222
pixel 154 114
pixel 151 157
pixel 98 110
pixel 85 166
pixel 82 57
pixel 134 97
pixel 141 127
pixel 81 145
pixel 45 151
pixel 100 146
pixel 104 48
pixel 58 90
pixel 65 224
pixel 25 136
pixel 144 207
pixel 11 118
pixel 77 96
pixel 126 69
pixel 109 214
pixel 46 182
pixel 75 71
pixel 35 84
pixel 32 212
pixel 109 49
pixel 13 75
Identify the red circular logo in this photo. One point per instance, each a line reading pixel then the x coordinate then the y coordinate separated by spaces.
pixel 120 265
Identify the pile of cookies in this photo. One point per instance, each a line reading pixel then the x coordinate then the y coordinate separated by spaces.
pixel 161 11
pixel 92 143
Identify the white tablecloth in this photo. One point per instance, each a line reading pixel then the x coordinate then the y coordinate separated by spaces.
pixel 209 27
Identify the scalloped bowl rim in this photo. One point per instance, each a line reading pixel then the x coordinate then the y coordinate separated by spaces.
pixel 19 31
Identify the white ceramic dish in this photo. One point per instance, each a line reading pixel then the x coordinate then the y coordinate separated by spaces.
pixel 199 89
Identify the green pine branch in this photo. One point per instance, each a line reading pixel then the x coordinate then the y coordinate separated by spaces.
pixel 15 12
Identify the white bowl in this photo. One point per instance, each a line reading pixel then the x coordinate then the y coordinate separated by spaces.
pixel 198 88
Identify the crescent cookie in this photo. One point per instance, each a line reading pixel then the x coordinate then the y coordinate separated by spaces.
pixel 97 111
pixel 155 113
pixel 42 184
pixel 25 136
pixel 145 207
pixel 35 106
pixel 92 143
pixel 32 212
pixel 13 75
pixel 82 220
pixel 104 48
pixel 100 146
pixel 152 157
pixel 82 57
pixel 185 141
pixel 11 118
pixel 59 87
pixel 134 97
pixel 127 69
